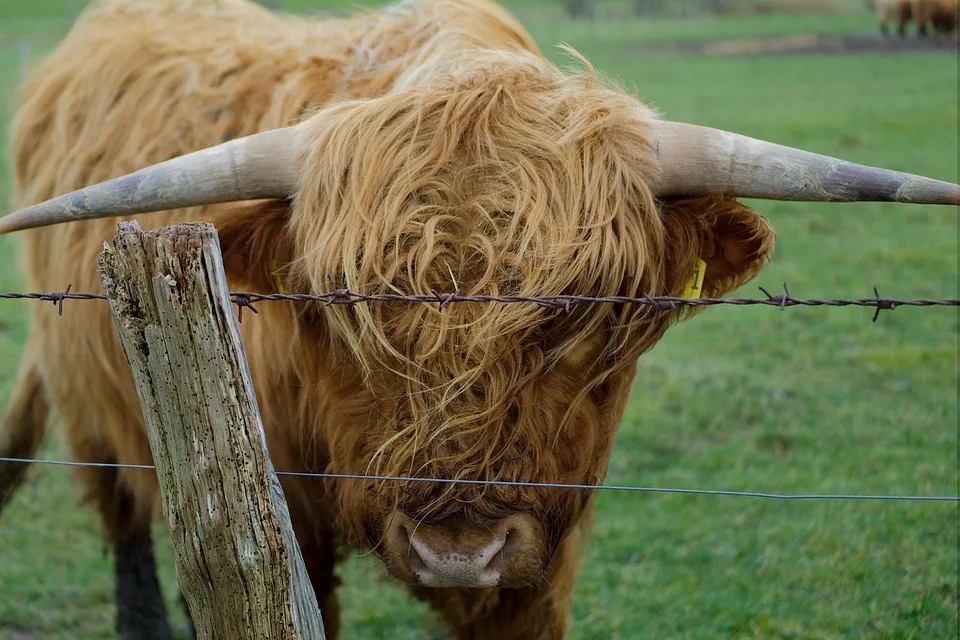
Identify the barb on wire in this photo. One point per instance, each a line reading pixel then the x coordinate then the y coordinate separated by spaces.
pixel 551 485
pixel 56 297
pixel 242 300
pixel 339 295
pixel 887 305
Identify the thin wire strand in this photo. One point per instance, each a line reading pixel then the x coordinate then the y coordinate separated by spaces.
pixel 552 485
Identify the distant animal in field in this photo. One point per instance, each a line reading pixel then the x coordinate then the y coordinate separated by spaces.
pixel 940 15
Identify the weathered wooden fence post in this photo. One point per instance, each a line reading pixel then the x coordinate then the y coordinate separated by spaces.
pixel 237 560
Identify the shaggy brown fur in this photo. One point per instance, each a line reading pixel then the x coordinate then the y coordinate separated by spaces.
pixel 941 15
pixel 944 15
pixel 446 153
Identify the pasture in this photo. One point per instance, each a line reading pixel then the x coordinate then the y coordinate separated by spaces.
pixel 805 400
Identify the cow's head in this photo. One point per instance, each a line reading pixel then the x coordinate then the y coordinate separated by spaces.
pixel 494 174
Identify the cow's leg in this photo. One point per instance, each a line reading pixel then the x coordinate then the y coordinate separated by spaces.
pixel 141 613
pixel 140 608
pixel 904 14
pixel 190 632
pixel 921 16
pixel 884 20
pixel 312 516
pixel 320 562
pixel 22 428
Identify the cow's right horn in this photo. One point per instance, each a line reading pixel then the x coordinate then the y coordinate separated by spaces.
pixel 260 166
pixel 697 160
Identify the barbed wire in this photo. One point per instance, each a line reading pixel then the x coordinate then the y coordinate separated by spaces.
pixel 55 297
pixel 341 296
pixel 516 483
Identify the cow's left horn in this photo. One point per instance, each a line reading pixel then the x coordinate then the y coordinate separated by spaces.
pixel 260 166
pixel 697 160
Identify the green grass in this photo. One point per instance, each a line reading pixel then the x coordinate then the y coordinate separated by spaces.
pixel 809 400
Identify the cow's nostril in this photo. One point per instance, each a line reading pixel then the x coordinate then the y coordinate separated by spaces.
pixel 511 538
pixel 498 562
pixel 414 561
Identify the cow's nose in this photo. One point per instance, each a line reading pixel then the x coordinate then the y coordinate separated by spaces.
pixel 465 565
pixel 452 554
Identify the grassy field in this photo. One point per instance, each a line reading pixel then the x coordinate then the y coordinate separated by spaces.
pixel 808 400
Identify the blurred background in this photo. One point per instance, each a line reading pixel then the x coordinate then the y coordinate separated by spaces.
pixel 807 400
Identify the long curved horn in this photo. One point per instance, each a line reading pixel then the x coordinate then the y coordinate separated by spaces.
pixel 259 166
pixel 697 160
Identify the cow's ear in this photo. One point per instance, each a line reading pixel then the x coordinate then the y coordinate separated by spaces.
pixel 733 242
pixel 256 245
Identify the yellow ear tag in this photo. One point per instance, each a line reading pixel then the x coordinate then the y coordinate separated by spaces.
pixel 695 284
pixel 276 277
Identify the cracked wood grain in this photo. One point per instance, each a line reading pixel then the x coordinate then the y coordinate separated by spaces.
pixel 237 560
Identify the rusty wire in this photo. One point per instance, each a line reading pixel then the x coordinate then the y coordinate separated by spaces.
pixel 247 300
pixel 551 485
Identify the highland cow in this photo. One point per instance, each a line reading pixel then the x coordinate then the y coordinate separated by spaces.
pixel 941 15
pixel 428 146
